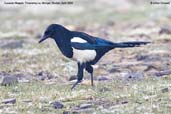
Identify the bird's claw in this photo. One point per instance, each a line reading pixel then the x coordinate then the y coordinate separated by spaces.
pixel 75 84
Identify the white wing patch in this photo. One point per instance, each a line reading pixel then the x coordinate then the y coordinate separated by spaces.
pixel 78 40
pixel 83 56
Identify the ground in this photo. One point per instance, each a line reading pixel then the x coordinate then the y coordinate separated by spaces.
pixel 127 81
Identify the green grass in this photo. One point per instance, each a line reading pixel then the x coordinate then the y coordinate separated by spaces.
pixel 141 98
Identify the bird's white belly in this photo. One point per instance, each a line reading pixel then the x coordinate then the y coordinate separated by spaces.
pixel 83 55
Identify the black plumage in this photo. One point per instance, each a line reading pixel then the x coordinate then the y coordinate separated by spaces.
pixel 84 48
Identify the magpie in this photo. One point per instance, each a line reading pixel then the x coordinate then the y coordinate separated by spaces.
pixel 85 49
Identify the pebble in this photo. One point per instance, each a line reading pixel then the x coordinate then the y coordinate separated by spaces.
pixel 133 75
pixel 148 58
pixel 165 30
pixel 65 112
pixel 12 44
pixel 57 105
pixel 24 78
pixel 164 90
pixel 26 100
pixel 102 78
pixel 44 75
pixel 85 106
pixel 9 80
pixel 10 100
pixel 124 102
pixel 114 70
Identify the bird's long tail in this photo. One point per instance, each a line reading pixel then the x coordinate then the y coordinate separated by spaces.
pixel 128 44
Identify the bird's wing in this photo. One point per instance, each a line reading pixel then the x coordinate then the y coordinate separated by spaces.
pixel 79 43
pixel 83 46
pixel 84 41
pixel 84 36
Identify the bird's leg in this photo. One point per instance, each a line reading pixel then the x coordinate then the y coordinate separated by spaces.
pixel 92 79
pixel 89 69
pixel 76 83
pixel 79 74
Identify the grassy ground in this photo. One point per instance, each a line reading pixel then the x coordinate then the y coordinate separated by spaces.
pixel 147 96
pixel 22 56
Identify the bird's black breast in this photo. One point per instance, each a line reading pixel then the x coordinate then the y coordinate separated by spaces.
pixel 67 51
pixel 65 47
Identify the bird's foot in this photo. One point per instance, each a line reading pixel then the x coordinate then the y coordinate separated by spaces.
pixel 76 83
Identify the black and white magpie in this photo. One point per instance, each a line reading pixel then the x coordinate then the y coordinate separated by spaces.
pixel 85 49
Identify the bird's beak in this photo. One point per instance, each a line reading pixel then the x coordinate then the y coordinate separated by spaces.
pixel 44 37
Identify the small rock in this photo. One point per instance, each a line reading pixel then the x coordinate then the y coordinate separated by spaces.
pixel 65 112
pixel 133 75
pixel 11 101
pixel 140 57
pixel 72 78
pixel 24 78
pixel 75 112
pixel 114 70
pixel 3 73
pixel 148 58
pixel 165 30
pixel 9 80
pixel 57 105
pixel 102 78
pixel 12 45
pixel 26 100
pixel 150 67
pixel 162 73
pixel 41 77
pixel 85 106
pixel 164 90
pixel 124 102
pixel 44 75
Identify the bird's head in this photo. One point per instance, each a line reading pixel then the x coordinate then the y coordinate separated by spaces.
pixel 53 31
